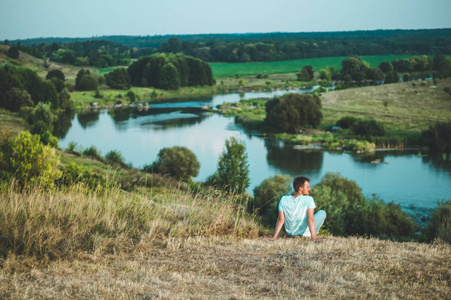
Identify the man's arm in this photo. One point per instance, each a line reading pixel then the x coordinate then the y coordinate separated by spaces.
pixel 311 224
pixel 279 224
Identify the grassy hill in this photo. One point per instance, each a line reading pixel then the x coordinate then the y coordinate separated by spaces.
pixel 224 267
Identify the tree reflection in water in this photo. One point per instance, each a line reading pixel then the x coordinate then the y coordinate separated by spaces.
pixel 293 161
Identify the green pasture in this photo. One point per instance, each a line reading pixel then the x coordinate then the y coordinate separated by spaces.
pixel 221 70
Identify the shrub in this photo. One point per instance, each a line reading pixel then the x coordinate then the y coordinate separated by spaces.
pixel 115 156
pixel 368 128
pixel 438 137
pixel 346 122
pixel 27 161
pixel 439 225
pixel 349 213
pixel 55 74
pixel 177 162
pixel 41 118
pixel 267 196
pixel 76 174
pixel 49 139
pixel 93 152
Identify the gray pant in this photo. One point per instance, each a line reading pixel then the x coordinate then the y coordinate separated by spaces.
pixel 319 217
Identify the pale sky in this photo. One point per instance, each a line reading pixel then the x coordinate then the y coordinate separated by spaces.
pixel 22 19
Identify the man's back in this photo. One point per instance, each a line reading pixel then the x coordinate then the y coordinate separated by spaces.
pixel 295 210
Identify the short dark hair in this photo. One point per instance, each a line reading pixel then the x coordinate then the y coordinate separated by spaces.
pixel 299 182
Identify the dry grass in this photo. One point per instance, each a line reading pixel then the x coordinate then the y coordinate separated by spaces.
pixel 403 106
pixel 230 268
pixel 10 121
pixel 53 224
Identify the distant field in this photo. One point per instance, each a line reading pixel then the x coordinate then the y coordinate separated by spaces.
pixel 221 70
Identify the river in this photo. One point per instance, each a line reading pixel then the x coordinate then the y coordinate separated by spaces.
pixel 413 180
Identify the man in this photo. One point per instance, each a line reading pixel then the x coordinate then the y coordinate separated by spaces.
pixel 296 212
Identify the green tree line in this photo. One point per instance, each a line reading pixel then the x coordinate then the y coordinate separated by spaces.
pixel 118 50
pixel 170 71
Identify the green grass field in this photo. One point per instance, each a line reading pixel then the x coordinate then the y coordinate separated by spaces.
pixel 221 70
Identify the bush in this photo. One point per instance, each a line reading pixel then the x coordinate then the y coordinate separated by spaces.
pixel 349 213
pixel 41 118
pixel 25 160
pixel 55 74
pixel 368 128
pixel 115 156
pixel 13 52
pixel 267 196
pixel 93 152
pixel 439 225
pixel 49 139
pixel 346 122
pixel 75 174
pixel 177 162
pixel 438 137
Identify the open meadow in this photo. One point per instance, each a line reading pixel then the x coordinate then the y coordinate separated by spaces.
pixel 221 70
pixel 407 106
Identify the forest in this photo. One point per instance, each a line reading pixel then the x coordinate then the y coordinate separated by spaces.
pixel 109 51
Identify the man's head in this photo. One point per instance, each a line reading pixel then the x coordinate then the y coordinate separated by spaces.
pixel 301 184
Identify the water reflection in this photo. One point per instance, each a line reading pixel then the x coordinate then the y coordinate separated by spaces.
pixel 439 162
pixel 63 124
pixel 88 118
pixel 293 161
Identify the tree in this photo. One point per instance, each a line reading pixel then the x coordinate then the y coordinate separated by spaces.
pixel 55 73
pixel 293 111
pixel 16 98
pixel 178 162
pixel 233 169
pixel 85 81
pixel 438 137
pixel 169 78
pixel 441 65
pixel 392 77
pixel 421 63
pixel 375 74
pixel 368 128
pixel 118 79
pixel 66 102
pixel 267 195
pixel 306 73
pixel 401 65
pixel 41 118
pixel 326 74
pixel 346 122
pixel 355 67
pixel 13 52
pixel 386 67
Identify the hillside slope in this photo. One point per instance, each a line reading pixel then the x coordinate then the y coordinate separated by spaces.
pixel 227 268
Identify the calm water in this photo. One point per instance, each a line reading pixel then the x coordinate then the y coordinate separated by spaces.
pixel 403 177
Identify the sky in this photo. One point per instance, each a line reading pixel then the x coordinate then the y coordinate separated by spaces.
pixel 22 19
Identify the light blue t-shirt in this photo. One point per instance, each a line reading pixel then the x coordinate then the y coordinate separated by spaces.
pixel 295 210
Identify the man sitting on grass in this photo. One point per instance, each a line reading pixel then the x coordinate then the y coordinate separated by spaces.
pixel 296 212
